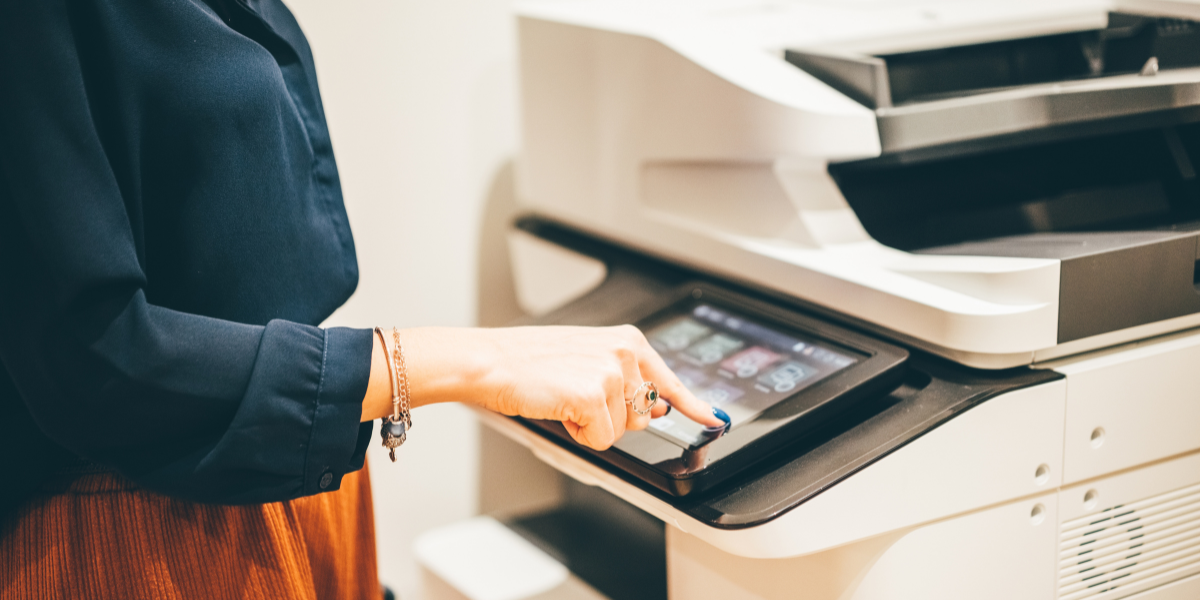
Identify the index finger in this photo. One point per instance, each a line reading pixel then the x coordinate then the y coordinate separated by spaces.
pixel 671 389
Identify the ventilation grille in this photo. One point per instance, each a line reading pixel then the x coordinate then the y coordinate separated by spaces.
pixel 1131 547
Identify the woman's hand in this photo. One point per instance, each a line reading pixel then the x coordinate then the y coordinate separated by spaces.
pixel 580 376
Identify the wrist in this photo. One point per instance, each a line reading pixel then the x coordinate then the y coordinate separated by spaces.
pixel 449 364
pixel 378 401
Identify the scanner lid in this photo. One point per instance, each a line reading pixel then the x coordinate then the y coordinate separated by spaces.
pixel 1135 64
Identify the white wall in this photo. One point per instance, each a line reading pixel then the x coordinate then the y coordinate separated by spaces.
pixel 419 97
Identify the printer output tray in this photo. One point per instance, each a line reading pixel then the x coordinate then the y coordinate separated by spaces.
pixel 934 391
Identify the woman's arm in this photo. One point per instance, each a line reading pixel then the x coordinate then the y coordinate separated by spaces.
pixel 580 376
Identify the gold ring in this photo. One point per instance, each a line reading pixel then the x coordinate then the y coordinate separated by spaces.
pixel 651 398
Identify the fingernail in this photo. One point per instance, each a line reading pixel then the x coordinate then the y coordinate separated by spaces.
pixel 668 410
pixel 722 415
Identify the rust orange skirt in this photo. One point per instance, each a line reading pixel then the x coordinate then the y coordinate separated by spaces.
pixel 95 535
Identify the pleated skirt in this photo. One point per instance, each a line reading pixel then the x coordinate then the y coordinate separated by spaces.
pixel 96 535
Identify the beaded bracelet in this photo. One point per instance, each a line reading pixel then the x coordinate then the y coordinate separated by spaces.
pixel 394 429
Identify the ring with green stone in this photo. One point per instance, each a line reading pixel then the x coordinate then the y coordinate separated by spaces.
pixel 651 396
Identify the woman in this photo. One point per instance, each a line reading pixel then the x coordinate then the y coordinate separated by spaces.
pixel 171 232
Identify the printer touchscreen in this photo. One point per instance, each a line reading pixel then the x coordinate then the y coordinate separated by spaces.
pixel 736 363
pixel 779 374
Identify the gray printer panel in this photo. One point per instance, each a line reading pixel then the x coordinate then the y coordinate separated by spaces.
pixel 1108 280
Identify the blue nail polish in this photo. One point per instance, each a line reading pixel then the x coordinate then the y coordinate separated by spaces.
pixel 722 415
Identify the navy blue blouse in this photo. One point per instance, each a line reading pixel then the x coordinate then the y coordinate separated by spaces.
pixel 171 231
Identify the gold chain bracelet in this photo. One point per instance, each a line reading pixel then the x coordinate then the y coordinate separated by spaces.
pixel 394 429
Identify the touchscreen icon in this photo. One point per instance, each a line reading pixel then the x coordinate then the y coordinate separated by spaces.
pixel 691 378
pixel 720 393
pixel 713 348
pixel 662 424
pixel 832 358
pixel 785 378
pixel 750 361
pixel 680 334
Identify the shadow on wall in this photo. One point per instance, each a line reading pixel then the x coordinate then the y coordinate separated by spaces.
pixel 497 305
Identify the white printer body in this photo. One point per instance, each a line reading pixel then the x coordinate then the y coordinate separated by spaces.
pixel 1006 185
pixel 682 129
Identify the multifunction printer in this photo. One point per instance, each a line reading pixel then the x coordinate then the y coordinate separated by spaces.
pixel 939 261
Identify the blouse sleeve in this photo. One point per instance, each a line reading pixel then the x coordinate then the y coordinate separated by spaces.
pixel 195 407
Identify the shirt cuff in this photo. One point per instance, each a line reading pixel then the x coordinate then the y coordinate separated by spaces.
pixel 339 441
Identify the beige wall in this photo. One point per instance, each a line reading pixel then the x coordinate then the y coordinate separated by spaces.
pixel 420 101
